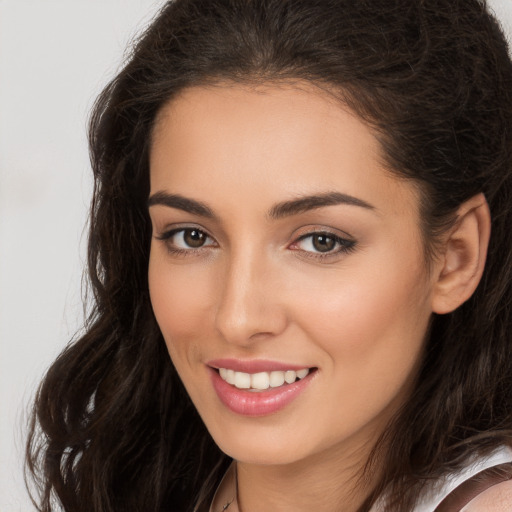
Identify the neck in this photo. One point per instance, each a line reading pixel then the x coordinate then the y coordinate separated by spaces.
pixel 325 481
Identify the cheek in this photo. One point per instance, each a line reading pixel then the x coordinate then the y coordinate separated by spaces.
pixel 180 300
pixel 370 322
pixel 382 294
pixel 359 315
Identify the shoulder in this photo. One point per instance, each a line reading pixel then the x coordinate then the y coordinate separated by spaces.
pixel 497 498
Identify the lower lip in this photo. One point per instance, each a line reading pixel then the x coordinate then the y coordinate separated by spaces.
pixel 257 403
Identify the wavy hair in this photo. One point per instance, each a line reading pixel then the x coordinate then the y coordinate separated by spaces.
pixel 112 427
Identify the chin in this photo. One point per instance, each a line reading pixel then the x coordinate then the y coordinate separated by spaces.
pixel 261 456
pixel 263 447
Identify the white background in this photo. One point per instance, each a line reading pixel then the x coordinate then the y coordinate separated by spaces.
pixel 55 56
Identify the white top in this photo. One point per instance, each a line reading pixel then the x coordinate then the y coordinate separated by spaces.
pixel 427 503
pixel 436 494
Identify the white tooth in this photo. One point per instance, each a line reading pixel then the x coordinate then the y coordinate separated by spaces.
pixel 290 376
pixel 260 380
pixel 276 379
pixel 223 372
pixel 242 380
pixel 302 373
pixel 230 376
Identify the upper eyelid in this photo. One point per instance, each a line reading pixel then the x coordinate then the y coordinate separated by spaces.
pixel 321 230
pixel 176 229
pixel 328 233
pixel 337 238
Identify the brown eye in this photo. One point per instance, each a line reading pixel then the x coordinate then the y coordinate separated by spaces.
pixel 194 238
pixel 323 243
pixel 186 239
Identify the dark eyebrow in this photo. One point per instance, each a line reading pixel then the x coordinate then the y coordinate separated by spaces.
pixel 278 211
pixel 181 203
pixel 303 204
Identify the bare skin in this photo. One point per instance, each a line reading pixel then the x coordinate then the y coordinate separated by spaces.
pixel 494 499
pixel 341 288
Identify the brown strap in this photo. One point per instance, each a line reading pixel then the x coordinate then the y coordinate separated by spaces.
pixel 474 486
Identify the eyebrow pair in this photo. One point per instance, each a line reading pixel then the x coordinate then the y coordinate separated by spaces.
pixel 279 210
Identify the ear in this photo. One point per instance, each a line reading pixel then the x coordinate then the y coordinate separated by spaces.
pixel 462 261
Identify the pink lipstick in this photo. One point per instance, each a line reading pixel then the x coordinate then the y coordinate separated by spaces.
pixel 258 387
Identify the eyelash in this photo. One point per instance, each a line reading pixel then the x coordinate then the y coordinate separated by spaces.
pixel 167 236
pixel 345 245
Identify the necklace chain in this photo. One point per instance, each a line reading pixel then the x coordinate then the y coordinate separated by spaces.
pixel 234 499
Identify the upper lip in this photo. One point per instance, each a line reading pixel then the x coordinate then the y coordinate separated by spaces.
pixel 254 365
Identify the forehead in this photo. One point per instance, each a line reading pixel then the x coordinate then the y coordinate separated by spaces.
pixel 269 141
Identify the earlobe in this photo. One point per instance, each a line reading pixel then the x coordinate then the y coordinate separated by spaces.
pixel 465 250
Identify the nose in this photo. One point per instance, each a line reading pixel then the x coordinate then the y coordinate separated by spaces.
pixel 250 305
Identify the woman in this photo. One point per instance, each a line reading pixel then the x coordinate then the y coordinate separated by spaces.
pixel 294 201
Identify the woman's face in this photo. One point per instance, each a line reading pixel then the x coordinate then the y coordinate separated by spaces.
pixel 281 244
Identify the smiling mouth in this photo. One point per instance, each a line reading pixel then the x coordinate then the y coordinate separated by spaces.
pixel 262 381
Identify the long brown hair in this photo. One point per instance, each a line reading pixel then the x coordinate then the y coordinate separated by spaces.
pixel 113 428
